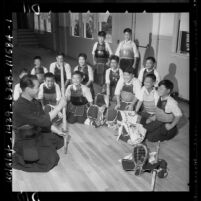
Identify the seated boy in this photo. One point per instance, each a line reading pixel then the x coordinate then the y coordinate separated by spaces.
pixel 112 76
pixel 163 125
pixel 148 97
pixel 49 91
pixel 87 72
pixel 17 90
pixel 79 97
pixel 55 68
pixel 38 69
pixel 149 69
pixel 127 91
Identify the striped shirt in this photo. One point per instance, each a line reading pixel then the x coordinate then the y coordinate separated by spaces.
pixel 149 99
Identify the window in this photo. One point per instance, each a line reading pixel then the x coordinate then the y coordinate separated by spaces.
pixel 88 24
pixel 183 40
pixel 105 24
pixel 42 22
pixel 75 27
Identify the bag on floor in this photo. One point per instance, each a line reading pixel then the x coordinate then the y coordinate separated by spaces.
pixel 111 118
pixel 131 133
pixel 94 116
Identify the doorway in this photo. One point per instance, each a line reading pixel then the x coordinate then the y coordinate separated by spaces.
pixel 22 21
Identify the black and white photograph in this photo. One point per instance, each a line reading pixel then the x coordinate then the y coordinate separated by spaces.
pixel 100 101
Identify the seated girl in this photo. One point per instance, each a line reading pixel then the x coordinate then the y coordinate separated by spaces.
pixel 127 91
pixel 87 72
pixel 79 98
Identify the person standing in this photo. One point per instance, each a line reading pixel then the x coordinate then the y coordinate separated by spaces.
pixel 101 53
pixel 127 52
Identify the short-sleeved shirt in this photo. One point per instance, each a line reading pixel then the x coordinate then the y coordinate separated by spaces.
pixel 17 91
pixel 90 72
pixel 41 91
pixel 33 71
pixel 136 86
pixel 149 99
pixel 85 92
pixel 67 68
pixel 107 47
pixel 172 107
pixel 127 45
pixel 141 75
pixel 107 74
pixel 144 95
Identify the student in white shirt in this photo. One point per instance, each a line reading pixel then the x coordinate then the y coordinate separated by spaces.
pixel 55 68
pixel 49 91
pixel 79 98
pixel 148 97
pixel 163 125
pixel 38 69
pixel 127 51
pixel 127 91
pixel 149 69
pixel 17 89
pixel 112 76
pixel 86 70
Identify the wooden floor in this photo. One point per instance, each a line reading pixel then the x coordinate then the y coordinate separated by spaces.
pixel 92 162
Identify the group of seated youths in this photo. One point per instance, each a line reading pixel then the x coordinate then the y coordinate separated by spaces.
pixel 145 94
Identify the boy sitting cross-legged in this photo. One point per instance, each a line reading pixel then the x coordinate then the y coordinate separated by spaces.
pixel 79 98
pixel 127 91
pixel 163 124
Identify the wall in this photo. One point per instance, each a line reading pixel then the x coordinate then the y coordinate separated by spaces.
pixel 120 21
pixel 162 28
pixel 143 36
pixel 75 45
pixel 170 64
pixel 71 45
